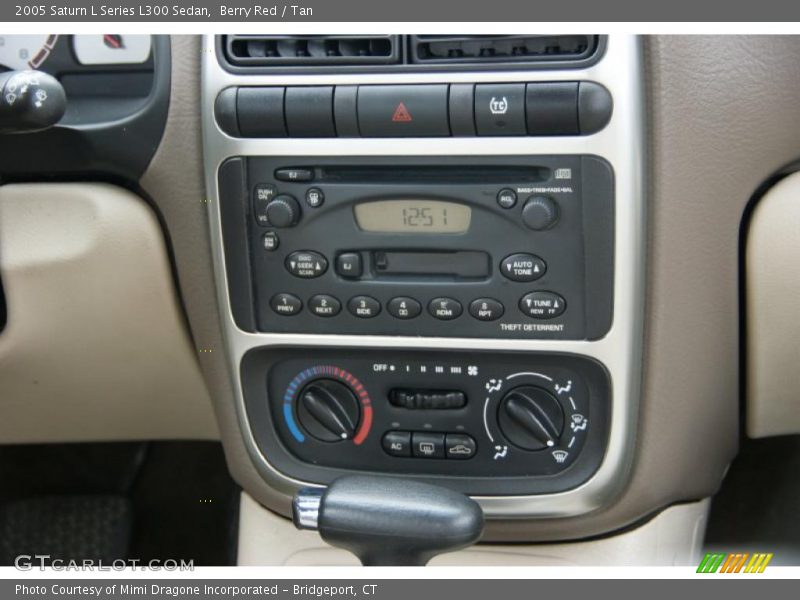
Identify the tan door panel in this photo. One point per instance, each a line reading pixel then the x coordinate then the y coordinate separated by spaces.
pixel 773 312
pixel 95 347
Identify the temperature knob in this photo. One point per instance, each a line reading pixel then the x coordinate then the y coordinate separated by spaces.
pixel 328 410
pixel 531 418
pixel 283 211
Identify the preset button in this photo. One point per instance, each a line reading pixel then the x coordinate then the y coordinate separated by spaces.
pixel 486 309
pixel 364 307
pixel 404 307
pixel 445 309
pixel 286 304
pixel 324 305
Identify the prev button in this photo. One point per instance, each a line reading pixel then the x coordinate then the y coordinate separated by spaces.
pixel 542 305
pixel 523 267
pixel 286 304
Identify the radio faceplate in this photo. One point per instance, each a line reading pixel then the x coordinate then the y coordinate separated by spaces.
pixel 493 247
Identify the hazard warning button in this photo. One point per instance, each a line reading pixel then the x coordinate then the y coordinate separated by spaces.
pixel 403 111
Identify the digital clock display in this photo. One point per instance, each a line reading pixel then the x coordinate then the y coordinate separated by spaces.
pixel 413 216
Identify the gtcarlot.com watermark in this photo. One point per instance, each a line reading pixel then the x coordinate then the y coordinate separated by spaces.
pixel 29 562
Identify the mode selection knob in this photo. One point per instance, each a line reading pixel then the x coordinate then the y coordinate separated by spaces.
pixel 531 418
pixel 283 211
pixel 540 213
pixel 328 410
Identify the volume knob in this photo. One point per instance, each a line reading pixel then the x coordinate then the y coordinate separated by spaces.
pixel 540 213
pixel 283 211
pixel 531 418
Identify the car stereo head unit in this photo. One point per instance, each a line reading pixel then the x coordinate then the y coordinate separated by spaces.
pixel 496 247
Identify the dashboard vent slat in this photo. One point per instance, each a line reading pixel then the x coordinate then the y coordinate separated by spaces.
pixel 311 50
pixel 489 49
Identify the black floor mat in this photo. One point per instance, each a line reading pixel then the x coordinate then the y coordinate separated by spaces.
pixel 756 510
pixel 66 527
pixel 161 500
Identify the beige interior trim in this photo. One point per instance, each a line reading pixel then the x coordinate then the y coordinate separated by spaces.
pixel 773 321
pixel 710 146
pixel 95 347
pixel 674 537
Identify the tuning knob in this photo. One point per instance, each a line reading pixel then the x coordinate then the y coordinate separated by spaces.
pixel 328 410
pixel 283 211
pixel 540 213
pixel 531 418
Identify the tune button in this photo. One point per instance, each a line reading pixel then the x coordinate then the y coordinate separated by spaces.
pixel 364 307
pixel 522 267
pixel 486 309
pixel 445 309
pixel 542 305
pixel 404 307
pixel 286 304
pixel 324 305
pixel 306 264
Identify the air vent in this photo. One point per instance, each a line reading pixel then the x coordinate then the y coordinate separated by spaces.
pixel 311 50
pixel 476 49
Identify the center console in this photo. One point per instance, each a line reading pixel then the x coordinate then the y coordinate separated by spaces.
pixel 433 273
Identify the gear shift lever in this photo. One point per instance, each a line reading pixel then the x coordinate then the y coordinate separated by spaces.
pixel 387 521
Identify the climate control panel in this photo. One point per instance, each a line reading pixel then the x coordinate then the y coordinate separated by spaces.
pixel 483 423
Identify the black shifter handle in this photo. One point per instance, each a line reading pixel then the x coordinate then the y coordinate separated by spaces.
pixel 385 521
pixel 30 101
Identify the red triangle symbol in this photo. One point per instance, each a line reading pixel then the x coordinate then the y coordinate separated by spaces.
pixel 401 114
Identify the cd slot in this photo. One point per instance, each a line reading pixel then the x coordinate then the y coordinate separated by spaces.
pixel 446 174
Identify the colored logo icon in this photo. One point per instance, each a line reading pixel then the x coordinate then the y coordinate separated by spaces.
pixel 736 562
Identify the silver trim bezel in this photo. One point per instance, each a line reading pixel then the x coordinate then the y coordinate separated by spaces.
pixel 622 143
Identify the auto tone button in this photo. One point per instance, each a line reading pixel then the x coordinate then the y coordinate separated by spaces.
pixel 523 267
